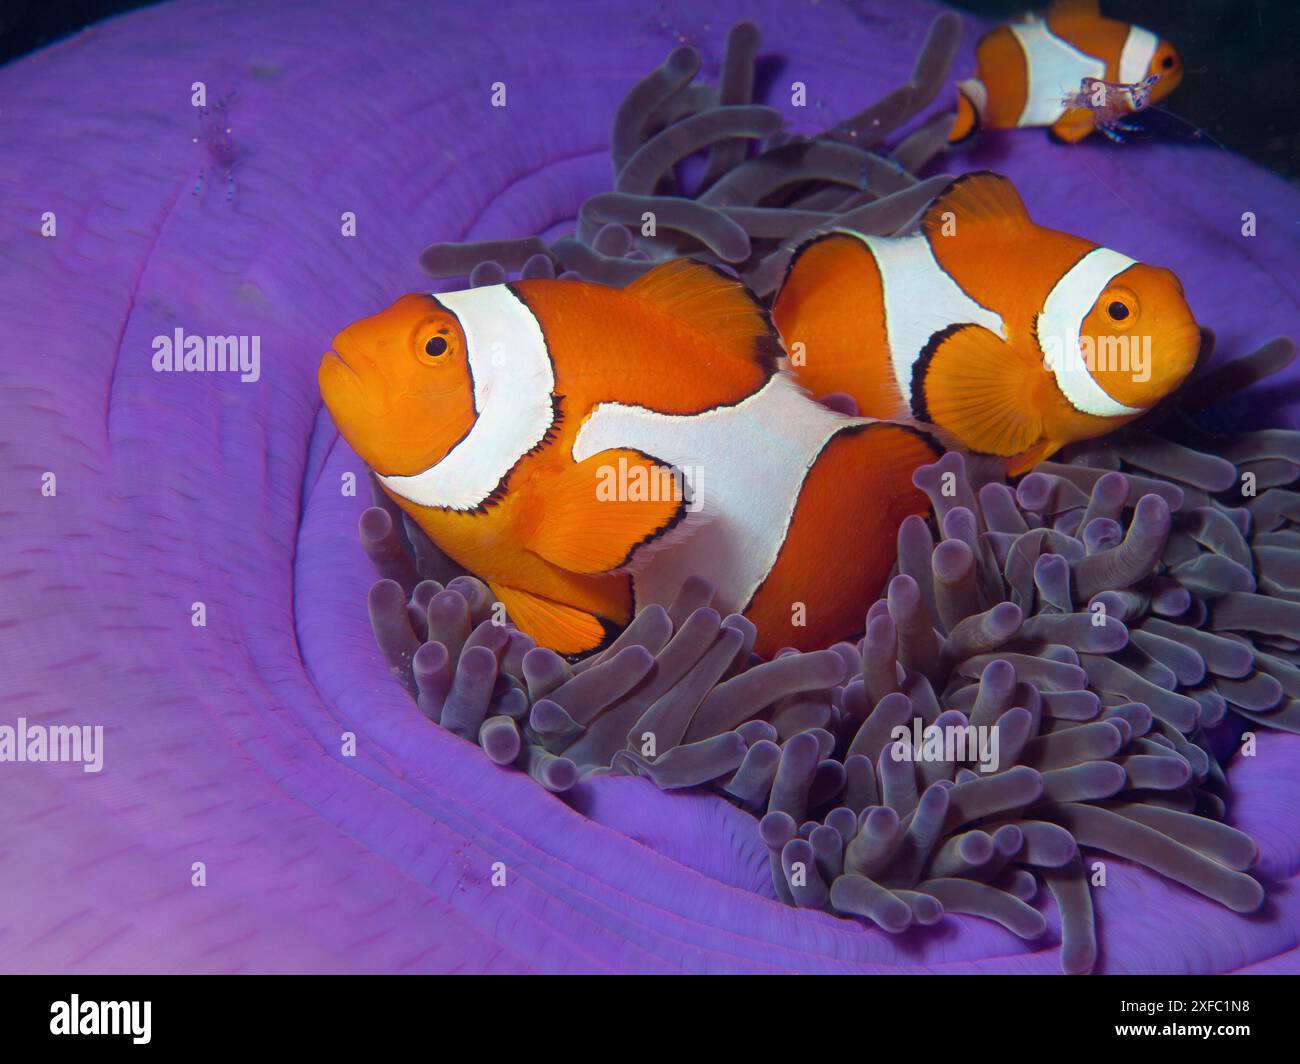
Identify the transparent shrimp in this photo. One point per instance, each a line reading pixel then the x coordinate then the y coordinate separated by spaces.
pixel 214 135
pixel 1111 103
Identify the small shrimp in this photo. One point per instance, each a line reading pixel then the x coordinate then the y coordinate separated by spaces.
pixel 214 135
pixel 1111 102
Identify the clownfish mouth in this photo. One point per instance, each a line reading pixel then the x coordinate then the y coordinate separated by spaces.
pixel 333 356
pixel 354 376
pixel 351 373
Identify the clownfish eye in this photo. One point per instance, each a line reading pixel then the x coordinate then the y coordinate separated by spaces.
pixel 1118 309
pixel 1167 62
pixel 436 345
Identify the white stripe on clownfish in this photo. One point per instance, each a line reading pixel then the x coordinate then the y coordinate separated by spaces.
pixel 920 299
pixel 1061 321
pixel 746 505
pixel 513 379
pixel 1053 68
pixel 975 91
pixel 1135 59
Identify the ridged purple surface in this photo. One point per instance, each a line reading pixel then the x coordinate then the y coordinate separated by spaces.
pixel 223 743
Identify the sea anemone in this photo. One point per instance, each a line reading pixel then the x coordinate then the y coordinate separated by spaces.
pixel 1100 616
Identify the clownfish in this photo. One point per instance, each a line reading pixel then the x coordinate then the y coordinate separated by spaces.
pixel 1026 73
pixel 536 430
pixel 1004 337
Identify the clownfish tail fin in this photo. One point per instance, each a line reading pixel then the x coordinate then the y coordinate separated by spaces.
pixel 972 99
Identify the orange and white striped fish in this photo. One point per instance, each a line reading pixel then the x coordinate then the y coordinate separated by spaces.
pixel 1027 73
pixel 533 431
pixel 1007 338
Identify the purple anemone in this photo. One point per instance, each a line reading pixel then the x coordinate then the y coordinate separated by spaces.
pixel 335 828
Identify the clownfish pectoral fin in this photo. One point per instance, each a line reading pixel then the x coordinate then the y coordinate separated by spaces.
pixel 596 514
pixel 1073 126
pixel 975 207
pixel 714 302
pixel 973 385
pixel 564 629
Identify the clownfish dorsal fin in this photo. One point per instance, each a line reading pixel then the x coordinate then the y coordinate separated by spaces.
pixel 1074 9
pixel 715 303
pixel 980 205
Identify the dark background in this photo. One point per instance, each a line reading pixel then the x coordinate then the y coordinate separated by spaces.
pixel 1241 56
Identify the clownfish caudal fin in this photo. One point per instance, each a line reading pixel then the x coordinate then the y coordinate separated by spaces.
pixel 972 385
pixel 715 303
pixel 562 628
pixel 976 207
pixel 972 98
pixel 592 517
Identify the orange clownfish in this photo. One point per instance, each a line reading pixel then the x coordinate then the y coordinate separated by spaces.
pixel 587 449
pixel 1027 72
pixel 1007 338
